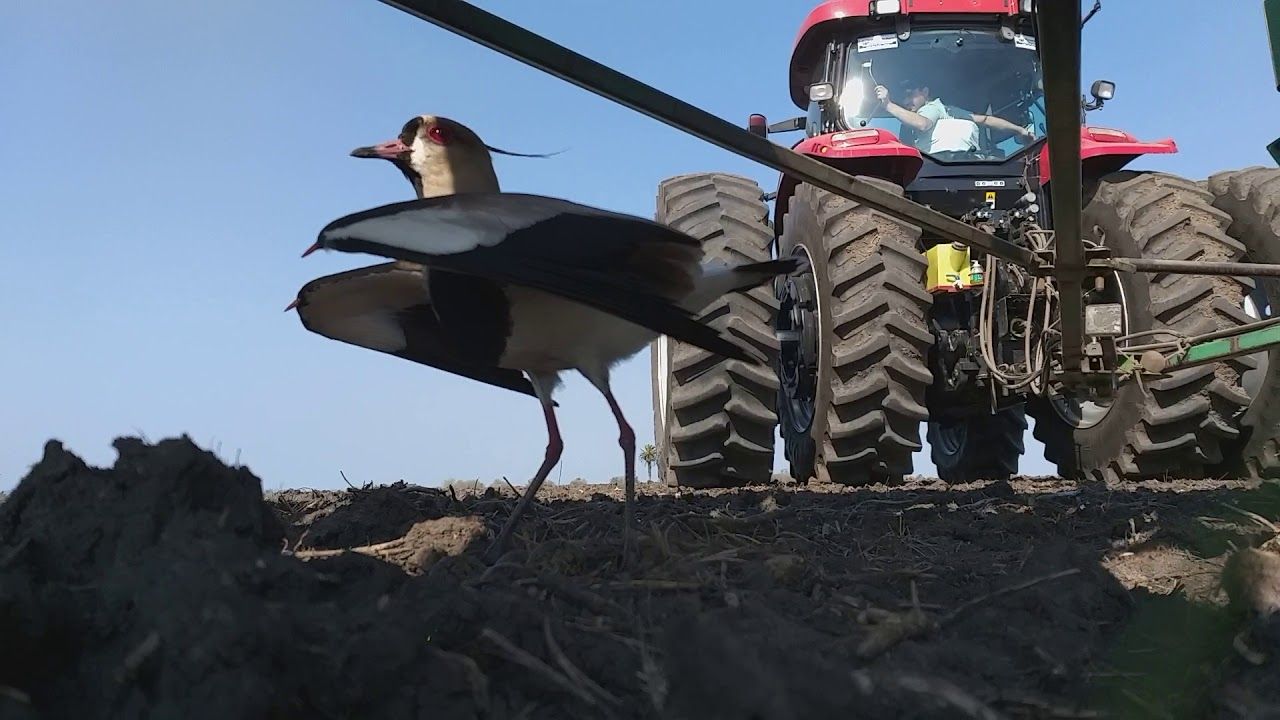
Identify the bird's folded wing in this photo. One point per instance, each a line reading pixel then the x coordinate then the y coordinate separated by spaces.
pixel 628 266
pixel 387 308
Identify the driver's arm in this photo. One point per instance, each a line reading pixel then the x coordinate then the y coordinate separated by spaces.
pixel 917 121
pixel 996 123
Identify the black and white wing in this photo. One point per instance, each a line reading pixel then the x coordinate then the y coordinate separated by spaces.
pixel 628 266
pixel 387 308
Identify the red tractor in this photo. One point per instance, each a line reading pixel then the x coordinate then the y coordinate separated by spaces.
pixel 890 329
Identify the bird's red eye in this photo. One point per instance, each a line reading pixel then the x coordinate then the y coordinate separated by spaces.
pixel 438 134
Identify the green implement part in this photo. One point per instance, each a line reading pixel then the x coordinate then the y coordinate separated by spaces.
pixel 1244 343
pixel 1203 349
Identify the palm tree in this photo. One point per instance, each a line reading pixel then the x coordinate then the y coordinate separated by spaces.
pixel 649 456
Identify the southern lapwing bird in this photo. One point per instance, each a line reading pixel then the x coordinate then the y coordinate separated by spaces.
pixel 539 285
pixel 386 307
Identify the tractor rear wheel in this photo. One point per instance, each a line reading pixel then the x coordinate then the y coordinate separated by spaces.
pixel 979 447
pixel 854 340
pixel 1177 428
pixel 1252 198
pixel 714 418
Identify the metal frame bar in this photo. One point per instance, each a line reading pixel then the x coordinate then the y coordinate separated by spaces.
pixel 1188 267
pixel 1058 36
pixel 532 49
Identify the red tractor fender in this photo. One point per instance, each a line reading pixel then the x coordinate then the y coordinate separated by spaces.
pixel 1105 150
pixel 868 151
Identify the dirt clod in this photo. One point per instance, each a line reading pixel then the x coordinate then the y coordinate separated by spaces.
pixel 167 586
pixel 1251 578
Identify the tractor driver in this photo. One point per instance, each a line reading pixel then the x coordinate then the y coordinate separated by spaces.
pixel 932 126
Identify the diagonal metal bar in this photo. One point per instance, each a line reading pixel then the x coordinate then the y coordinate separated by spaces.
pixel 1058 34
pixel 514 41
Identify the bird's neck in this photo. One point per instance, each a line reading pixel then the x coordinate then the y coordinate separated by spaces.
pixel 448 180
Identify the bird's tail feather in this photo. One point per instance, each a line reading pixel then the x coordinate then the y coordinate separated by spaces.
pixel 719 278
pixel 753 274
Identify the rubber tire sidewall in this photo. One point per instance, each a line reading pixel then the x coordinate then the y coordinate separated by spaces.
pixel 803 450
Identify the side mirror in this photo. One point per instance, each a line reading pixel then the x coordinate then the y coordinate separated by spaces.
pixel 795 123
pixel 758 125
pixel 1102 91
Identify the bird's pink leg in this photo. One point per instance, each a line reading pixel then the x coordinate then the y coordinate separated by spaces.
pixel 555 446
pixel 626 439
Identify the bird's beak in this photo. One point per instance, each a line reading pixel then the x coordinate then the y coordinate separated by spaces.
pixel 292 305
pixel 312 249
pixel 388 150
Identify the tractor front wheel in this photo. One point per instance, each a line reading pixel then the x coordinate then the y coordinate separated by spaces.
pixel 854 340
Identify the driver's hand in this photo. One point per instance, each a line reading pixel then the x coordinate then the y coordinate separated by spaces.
pixel 882 93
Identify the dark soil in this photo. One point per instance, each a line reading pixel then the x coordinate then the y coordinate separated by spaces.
pixel 167 587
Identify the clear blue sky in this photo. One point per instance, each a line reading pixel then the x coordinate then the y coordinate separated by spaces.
pixel 164 164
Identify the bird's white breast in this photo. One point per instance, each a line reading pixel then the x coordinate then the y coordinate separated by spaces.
pixel 550 333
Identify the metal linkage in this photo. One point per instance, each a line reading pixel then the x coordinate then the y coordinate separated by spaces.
pixel 533 49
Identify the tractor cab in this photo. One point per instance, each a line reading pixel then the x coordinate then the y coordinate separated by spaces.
pixel 982 94
pixel 947 102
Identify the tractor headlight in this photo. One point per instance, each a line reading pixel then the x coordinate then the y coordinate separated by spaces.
pixel 821 91
pixel 1025 6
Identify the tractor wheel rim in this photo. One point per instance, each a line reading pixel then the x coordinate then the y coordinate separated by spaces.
pixel 1087 414
pixel 797 359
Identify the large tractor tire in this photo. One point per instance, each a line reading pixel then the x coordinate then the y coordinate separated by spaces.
pixel 1252 198
pixel 1178 426
pixel 980 447
pixel 853 358
pixel 715 419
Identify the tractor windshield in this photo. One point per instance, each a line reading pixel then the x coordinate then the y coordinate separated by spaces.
pixel 957 95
